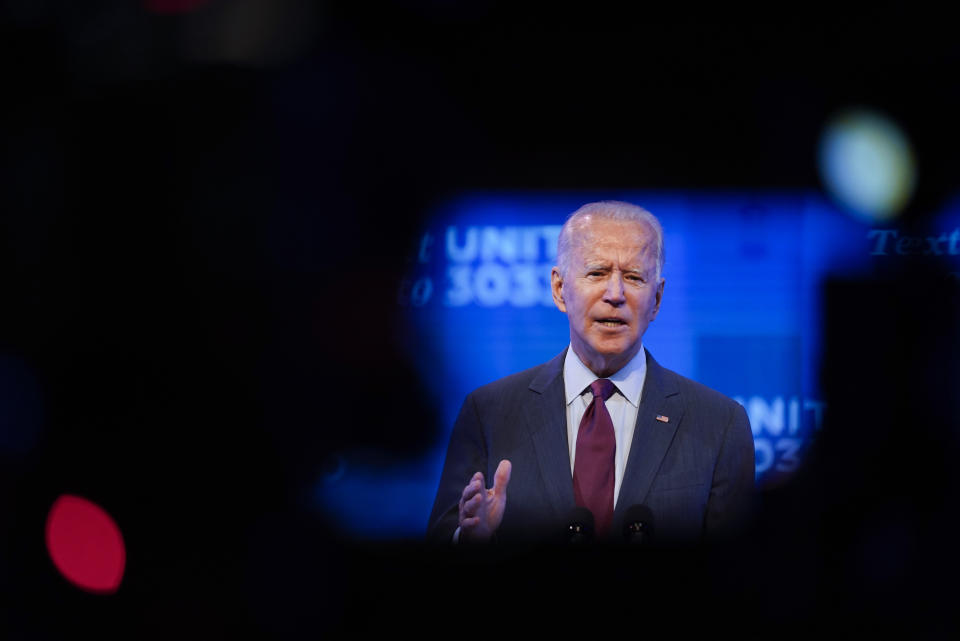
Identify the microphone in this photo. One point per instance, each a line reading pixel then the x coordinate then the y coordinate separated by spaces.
pixel 637 524
pixel 580 526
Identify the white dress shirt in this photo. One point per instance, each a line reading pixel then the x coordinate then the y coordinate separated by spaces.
pixel 622 405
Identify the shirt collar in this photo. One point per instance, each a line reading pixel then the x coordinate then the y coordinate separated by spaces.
pixel 628 379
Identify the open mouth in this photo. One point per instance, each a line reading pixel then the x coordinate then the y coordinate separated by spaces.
pixel 611 322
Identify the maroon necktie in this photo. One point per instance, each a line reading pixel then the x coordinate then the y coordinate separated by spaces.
pixel 594 462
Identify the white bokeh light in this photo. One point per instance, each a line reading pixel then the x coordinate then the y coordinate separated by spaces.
pixel 866 164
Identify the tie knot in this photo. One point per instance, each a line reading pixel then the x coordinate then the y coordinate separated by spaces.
pixel 603 387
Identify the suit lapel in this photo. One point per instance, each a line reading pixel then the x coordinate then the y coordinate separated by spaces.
pixel 546 417
pixel 651 438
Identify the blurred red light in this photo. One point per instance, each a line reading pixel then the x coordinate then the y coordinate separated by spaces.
pixel 85 544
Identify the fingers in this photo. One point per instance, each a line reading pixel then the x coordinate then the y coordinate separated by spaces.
pixel 502 477
pixel 481 510
pixel 474 486
pixel 471 507
pixel 471 496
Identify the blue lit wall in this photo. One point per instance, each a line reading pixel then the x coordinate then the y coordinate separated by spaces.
pixel 740 313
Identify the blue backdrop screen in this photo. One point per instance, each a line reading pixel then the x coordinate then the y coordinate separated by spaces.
pixel 741 313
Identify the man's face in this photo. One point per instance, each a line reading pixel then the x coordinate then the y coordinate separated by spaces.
pixel 610 292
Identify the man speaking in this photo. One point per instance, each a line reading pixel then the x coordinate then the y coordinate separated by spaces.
pixel 602 426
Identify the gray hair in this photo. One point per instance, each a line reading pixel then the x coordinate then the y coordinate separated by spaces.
pixel 608 210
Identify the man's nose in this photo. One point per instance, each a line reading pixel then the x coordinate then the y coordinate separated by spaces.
pixel 614 293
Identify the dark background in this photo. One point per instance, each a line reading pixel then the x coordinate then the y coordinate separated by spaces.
pixel 204 220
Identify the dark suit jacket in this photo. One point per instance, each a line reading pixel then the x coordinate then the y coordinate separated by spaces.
pixel 695 472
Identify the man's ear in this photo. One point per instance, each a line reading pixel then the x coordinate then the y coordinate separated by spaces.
pixel 656 305
pixel 556 287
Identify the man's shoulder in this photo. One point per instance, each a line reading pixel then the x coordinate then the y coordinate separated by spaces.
pixel 694 391
pixel 532 377
pixel 712 415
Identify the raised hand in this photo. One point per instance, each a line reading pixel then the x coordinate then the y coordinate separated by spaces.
pixel 481 509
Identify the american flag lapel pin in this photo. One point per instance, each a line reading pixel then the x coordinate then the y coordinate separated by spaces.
pixel 663 419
